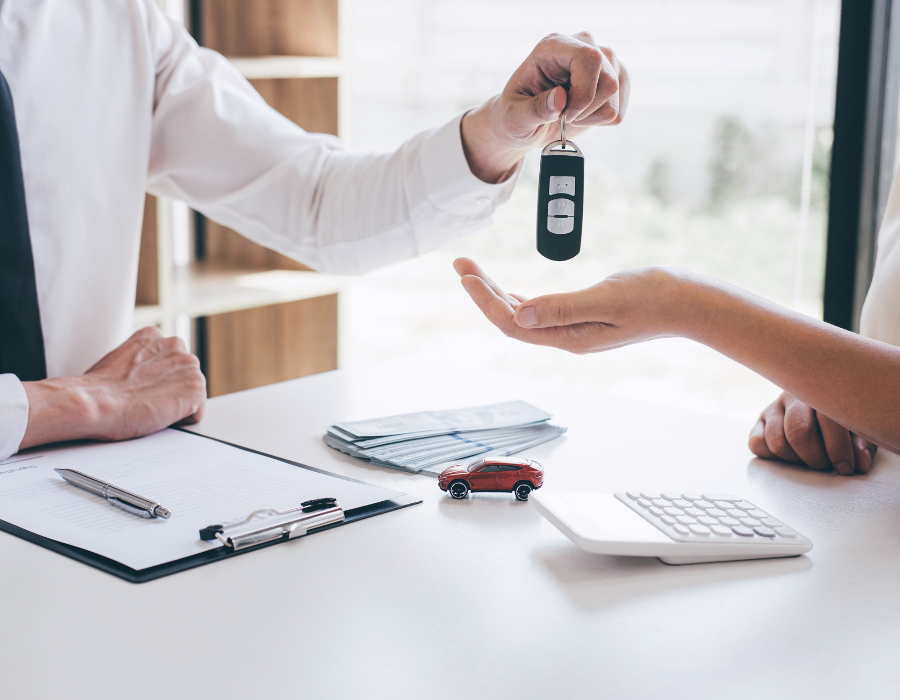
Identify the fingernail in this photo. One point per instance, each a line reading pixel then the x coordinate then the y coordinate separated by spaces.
pixel 551 100
pixel 843 468
pixel 526 316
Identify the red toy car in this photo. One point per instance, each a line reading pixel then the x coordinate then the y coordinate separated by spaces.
pixel 520 476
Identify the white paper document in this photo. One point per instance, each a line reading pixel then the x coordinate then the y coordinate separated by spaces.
pixel 200 480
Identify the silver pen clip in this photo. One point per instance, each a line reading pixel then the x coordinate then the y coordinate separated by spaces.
pixel 134 510
pixel 269 524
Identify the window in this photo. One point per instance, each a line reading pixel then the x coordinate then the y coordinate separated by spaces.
pixel 721 166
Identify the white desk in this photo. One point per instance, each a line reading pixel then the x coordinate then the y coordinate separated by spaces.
pixel 482 598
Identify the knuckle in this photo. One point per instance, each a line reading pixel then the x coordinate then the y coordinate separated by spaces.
pixel 777 442
pixel 148 332
pixel 798 431
pixel 591 55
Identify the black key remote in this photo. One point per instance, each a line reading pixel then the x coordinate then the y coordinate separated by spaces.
pixel 560 201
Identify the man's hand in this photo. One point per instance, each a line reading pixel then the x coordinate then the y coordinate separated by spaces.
pixel 628 307
pixel 563 72
pixel 146 384
pixel 788 429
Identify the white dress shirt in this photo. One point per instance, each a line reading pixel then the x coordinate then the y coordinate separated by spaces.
pixel 880 318
pixel 113 99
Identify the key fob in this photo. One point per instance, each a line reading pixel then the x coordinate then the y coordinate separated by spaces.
pixel 560 200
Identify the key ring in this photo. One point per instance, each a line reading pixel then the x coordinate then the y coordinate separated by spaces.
pixel 562 128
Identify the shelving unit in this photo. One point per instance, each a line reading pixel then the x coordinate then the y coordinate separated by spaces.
pixel 253 316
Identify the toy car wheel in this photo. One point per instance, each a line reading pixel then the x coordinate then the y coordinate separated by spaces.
pixel 458 489
pixel 522 490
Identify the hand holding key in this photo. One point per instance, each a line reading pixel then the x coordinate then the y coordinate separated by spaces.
pixel 566 72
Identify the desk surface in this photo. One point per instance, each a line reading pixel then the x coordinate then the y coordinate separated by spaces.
pixel 482 598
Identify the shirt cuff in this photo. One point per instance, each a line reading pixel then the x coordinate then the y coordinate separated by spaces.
pixel 449 183
pixel 13 414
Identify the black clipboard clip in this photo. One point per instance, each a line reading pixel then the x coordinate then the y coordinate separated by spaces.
pixel 269 524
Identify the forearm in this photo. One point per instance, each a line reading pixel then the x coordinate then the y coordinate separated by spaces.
pixel 853 380
pixel 58 409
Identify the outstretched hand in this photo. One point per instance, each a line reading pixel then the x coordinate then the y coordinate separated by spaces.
pixel 625 308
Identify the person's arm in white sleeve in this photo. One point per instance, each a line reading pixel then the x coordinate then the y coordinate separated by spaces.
pixel 219 147
pixel 13 415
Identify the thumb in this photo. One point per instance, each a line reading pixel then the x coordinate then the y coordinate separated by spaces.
pixel 545 107
pixel 559 309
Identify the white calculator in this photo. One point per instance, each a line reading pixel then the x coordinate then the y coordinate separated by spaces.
pixel 679 528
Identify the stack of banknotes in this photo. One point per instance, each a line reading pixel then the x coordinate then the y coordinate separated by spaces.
pixel 429 442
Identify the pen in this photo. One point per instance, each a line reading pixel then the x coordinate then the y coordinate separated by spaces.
pixel 120 498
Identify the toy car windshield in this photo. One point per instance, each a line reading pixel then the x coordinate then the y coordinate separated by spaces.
pixel 474 465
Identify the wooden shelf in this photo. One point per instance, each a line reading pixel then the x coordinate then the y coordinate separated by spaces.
pixel 207 289
pixel 289 67
pixel 147 315
pixel 257 316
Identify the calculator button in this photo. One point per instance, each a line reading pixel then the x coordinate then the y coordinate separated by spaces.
pixel 660 503
pixel 643 503
pixel 757 513
pixel 650 495
pixel 705 505
pixel 561 207
pixel 633 495
pixel 717 513
pixel 685 520
pixel 555 225
pixel 681 529
pixel 764 531
pixel 728 520
pixel 696 512
pixel 735 513
pixel 771 522
pixel 721 497
pixel 681 504
pixel 742 531
pixel 721 530
pixel 671 496
pixel 699 529
pixel 672 511
pixel 744 505
pixel 668 520
pixel 691 496
pixel 706 520
pixel 724 505
pixel 656 511
pixel 785 532
pixel 750 522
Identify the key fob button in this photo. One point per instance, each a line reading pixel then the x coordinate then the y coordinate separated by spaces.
pixel 561 207
pixel 560 226
pixel 562 184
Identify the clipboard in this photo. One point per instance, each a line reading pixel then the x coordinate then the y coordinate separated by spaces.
pixel 126 573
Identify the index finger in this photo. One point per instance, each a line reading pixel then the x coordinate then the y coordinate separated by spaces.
pixel 468 267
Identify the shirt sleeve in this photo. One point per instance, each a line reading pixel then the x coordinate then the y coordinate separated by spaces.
pixel 218 146
pixel 13 414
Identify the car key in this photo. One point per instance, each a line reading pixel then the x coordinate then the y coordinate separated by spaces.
pixel 560 198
